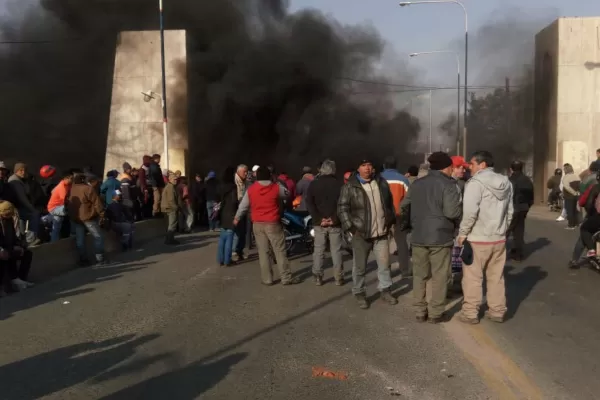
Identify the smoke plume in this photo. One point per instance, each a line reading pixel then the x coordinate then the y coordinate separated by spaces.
pixel 265 85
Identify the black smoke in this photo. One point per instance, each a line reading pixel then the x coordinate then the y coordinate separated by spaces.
pixel 265 85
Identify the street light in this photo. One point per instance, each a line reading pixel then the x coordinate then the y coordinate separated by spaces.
pixel 457 89
pixel 165 156
pixel 409 3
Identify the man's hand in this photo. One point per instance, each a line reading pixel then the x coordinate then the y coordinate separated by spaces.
pixel 4 255
pixel 19 250
pixel 236 221
pixel 461 240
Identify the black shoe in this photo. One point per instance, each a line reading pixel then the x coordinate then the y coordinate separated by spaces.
pixel 386 296
pixel 293 281
pixel 362 301
pixel 318 280
pixel 437 320
pixel 83 262
pixel 421 318
pixel 339 282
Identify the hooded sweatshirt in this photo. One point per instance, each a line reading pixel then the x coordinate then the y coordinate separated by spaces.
pixel 487 207
pixel 264 199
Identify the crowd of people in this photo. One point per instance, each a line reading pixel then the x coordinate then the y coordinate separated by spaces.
pixel 52 206
pixel 450 211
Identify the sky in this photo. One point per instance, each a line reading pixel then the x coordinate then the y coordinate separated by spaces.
pixel 493 53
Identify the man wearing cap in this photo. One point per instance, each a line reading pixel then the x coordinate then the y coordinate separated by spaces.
pixel 366 210
pixel 433 203
pixel 264 201
pixel 487 214
pixel 22 195
pixel 399 187
pixel 460 169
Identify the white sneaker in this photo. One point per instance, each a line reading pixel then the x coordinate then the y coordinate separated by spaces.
pixel 18 284
pixel 560 218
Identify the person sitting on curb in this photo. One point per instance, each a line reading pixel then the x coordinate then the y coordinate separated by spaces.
pixel 121 219
pixel 14 255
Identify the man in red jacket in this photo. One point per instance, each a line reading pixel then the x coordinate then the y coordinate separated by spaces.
pixel 264 199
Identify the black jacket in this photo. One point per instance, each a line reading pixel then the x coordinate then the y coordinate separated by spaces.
pixel 22 192
pixel 6 193
pixel 522 191
pixel 156 177
pixel 322 198
pixel 211 189
pixel 132 195
pixel 434 208
pixel 354 209
pixel 227 194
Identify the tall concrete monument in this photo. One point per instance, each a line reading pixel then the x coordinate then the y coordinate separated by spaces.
pixel 567 64
pixel 135 126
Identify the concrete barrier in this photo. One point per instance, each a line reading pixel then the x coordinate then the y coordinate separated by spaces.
pixel 52 259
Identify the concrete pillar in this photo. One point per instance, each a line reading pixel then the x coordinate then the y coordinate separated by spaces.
pixel 135 126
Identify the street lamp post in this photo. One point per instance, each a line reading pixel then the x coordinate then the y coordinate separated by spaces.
pixel 408 3
pixel 165 156
pixel 457 89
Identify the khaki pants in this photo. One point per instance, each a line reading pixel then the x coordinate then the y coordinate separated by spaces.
pixel 430 265
pixel 157 195
pixel 271 233
pixel 488 259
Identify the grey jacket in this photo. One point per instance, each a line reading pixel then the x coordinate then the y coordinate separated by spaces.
pixel 487 207
pixel 433 202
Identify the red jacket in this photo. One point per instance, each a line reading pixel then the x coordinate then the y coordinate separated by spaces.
pixel 264 202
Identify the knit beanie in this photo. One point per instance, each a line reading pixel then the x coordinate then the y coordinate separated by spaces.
pixel 439 161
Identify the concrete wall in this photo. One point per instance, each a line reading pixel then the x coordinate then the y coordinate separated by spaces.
pixel 568 107
pixel 135 126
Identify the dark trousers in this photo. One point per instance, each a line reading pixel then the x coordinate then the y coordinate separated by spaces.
pixel 571 208
pixel 402 247
pixel 517 229
pixel 17 266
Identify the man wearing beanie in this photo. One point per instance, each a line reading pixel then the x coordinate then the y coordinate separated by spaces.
pixel 487 213
pixel 264 199
pixel 433 204
pixel 366 210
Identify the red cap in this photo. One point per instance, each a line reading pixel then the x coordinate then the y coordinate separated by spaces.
pixel 459 161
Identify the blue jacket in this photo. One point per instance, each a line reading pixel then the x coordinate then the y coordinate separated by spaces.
pixel 108 189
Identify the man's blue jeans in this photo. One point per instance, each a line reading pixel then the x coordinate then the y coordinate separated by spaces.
pixel 58 216
pixel 212 223
pixel 225 247
pixel 94 229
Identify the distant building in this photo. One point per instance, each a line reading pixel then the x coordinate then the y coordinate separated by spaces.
pixel 567 104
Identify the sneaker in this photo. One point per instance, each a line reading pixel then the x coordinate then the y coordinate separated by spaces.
pixel 339 282
pixel 570 228
pixel 362 301
pixel 18 284
pixel 318 280
pixel 235 257
pixel 386 296
pixel 591 253
pixel 560 219
pixel 493 318
pixel 294 281
pixel 463 318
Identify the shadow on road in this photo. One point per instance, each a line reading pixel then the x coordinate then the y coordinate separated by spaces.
pixel 185 383
pixel 56 370
pixel 519 285
pixel 536 245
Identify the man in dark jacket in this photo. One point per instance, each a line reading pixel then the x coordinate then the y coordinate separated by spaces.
pixel 366 210
pixel 522 202
pixel 321 201
pixel 157 182
pixel 433 203
pixel 15 258
pixel 27 211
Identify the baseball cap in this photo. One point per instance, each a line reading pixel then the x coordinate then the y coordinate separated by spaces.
pixel 459 161
pixel 255 168
pixel 2 165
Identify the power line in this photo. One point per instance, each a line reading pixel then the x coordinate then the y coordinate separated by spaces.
pixel 420 87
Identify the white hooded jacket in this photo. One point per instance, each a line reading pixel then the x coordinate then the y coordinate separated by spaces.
pixel 487 207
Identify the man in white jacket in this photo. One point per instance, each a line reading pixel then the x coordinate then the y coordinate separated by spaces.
pixel 487 213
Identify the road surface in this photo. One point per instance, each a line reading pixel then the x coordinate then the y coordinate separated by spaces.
pixel 168 323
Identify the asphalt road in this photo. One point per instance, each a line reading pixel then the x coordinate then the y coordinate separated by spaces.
pixel 168 323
